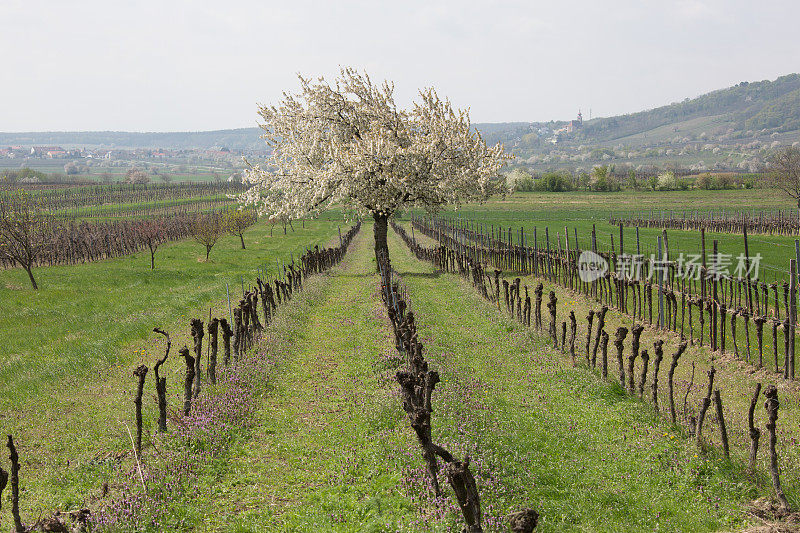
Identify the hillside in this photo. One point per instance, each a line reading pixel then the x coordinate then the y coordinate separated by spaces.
pixel 746 106
pixel 728 129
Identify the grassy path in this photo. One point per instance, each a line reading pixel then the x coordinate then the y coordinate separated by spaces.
pixel 553 437
pixel 322 457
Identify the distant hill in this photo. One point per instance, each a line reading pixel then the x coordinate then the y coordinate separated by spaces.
pixel 727 129
pixel 746 106
pixel 244 139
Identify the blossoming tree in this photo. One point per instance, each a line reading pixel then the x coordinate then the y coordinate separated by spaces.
pixel 347 143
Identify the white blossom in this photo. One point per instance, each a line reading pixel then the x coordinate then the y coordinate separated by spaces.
pixel 349 144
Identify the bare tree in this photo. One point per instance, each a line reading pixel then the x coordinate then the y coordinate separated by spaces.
pixel 152 231
pixel 784 168
pixel 25 230
pixel 206 230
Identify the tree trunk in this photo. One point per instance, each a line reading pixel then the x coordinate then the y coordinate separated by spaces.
pixel 29 270
pixel 241 237
pixel 380 229
pixel 208 251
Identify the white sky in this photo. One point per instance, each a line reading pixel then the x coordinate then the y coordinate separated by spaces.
pixel 175 65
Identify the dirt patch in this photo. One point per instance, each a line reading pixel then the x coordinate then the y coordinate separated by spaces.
pixel 775 519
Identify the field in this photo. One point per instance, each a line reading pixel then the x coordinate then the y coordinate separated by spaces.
pixel 177 169
pixel 70 364
pixel 580 211
pixel 124 201
pixel 306 430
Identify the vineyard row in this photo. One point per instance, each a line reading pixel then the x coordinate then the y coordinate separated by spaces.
pixel 634 381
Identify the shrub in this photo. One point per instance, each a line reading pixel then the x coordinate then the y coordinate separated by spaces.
pixel 554 182
pixel 525 185
pixel 705 181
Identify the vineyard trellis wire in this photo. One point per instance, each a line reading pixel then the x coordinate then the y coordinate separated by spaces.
pixel 130 200
pixel 468 258
pixel 766 221
pixel 716 298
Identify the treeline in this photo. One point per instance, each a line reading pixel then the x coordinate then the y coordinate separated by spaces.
pixel 25 174
pixel 608 178
pixel 73 243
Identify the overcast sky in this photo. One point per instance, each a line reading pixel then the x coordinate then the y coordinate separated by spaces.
pixel 172 65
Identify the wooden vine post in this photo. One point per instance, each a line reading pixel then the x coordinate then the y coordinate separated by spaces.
pixel 670 377
pixel 723 430
pixel 793 315
pixel 658 348
pixel 187 384
pixel 463 483
pixel 141 374
pixel 227 333
pixel 771 405
pixel 213 328
pixel 3 483
pixel 754 432
pixel 197 337
pixel 601 322
pixel 643 376
pixel 14 457
pixel 704 405
pixel 161 385
pixel 589 319
pixel 619 339
pixel 573 328
pixel 637 333
pixel 551 307
pixel 759 322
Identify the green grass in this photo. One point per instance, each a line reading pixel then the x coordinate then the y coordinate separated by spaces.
pixel 69 349
pixel 320 456
pixel 557 438
pixel 582 210
pixel 329 447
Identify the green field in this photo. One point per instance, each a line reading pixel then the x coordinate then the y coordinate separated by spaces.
pixel 582 210
pixel 70 348
pixel 325 445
